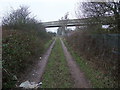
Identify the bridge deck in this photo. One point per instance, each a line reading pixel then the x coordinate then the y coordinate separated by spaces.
pixel 80 22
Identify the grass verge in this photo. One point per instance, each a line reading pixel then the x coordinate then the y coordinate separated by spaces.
pixel 57 74
pixel 97 78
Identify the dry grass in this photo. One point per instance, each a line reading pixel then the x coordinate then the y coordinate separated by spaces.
pixel 99 57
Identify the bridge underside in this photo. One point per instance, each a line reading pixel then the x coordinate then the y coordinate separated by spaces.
pixel 50 26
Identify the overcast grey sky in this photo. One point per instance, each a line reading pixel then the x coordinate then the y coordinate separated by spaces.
pixel 44 10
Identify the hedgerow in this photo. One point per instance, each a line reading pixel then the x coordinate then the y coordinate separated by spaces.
pixel 24 39
pixel 98 51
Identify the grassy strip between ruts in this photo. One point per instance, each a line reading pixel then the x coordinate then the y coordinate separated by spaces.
pixel 98 80
pixel 57 73
pixel 47 45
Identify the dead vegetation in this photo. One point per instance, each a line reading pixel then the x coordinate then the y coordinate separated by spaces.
pixel 95 51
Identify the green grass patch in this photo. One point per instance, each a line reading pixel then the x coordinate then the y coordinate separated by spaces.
pixel 57 73
pixel 96 77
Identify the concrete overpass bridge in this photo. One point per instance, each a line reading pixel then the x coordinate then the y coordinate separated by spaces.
pixel 79 22
pixel 63 24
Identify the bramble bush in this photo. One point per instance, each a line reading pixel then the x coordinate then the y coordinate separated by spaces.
pixel 24 39
pixel 18 47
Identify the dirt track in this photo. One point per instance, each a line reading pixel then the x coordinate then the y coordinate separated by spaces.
pixel 36 73
pixel 77 74
pixel 38 70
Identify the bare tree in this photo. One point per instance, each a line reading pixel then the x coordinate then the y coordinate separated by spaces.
pixel 101 9
pixel 96 9
pixel 17 17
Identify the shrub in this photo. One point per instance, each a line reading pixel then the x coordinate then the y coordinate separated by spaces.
pixel 23 37
pixel 18 48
